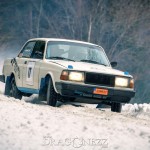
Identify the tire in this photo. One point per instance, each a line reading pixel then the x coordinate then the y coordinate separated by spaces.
pixel 116 107
pixel 7 87
pixel 51 95
pixel 14 92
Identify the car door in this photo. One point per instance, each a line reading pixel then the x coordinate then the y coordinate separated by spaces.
pixel 20 62
pixel 32 67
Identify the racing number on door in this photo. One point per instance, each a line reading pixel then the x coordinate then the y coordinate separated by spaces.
pixel 30 73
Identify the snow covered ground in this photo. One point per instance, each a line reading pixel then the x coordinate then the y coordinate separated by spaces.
pixel 32 125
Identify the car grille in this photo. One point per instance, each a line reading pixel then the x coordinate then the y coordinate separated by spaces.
pixel 100 79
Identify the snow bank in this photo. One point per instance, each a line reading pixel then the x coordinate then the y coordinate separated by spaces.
pixel 137 110
pixel 26 125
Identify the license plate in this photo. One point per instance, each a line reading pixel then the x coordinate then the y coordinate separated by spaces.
pixel 100 91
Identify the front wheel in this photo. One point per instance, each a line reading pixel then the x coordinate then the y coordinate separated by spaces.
pixel 14 92
pixel 116 107
pixel 51 95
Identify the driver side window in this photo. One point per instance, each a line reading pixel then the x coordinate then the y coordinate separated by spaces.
pixel 27 50
pixel 38 51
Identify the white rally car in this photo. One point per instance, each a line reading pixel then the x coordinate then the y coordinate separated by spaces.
pixel 60 70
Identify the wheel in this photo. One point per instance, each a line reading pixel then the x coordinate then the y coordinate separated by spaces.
pixel 51 95
pixel 116 107
pixel 14 92
pixel 7 87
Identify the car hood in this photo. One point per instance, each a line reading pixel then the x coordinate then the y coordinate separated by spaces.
pixel 89 67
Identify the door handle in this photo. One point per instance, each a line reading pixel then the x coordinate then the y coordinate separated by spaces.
pixel 25 62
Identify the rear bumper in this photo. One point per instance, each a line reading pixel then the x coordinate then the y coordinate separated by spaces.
pixel 2 78
pixel 86 92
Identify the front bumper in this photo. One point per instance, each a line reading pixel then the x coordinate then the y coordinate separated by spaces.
pixel 86 92
pixel 2 78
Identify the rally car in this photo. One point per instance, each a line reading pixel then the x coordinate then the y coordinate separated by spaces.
pixel 60 70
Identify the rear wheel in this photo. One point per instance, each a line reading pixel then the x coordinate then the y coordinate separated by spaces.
pixel 116 107
pixel 14 92
pixel 7 87
pixel 51 95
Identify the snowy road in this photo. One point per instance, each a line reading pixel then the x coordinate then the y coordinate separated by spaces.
pixel 25 125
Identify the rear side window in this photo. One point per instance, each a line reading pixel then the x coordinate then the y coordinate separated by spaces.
pixel 27 50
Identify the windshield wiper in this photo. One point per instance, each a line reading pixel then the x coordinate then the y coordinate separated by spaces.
pixel 92 61
pixel 61 58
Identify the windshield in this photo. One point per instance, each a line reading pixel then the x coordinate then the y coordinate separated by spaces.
pixel 76 52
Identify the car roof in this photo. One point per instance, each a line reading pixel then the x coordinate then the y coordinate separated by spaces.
pixel 64 40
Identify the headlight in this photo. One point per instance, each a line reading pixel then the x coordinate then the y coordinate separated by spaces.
pixel 76 76
pixel 121 82
pixel 72 76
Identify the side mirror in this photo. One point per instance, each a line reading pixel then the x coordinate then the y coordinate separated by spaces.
pixel 113 64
